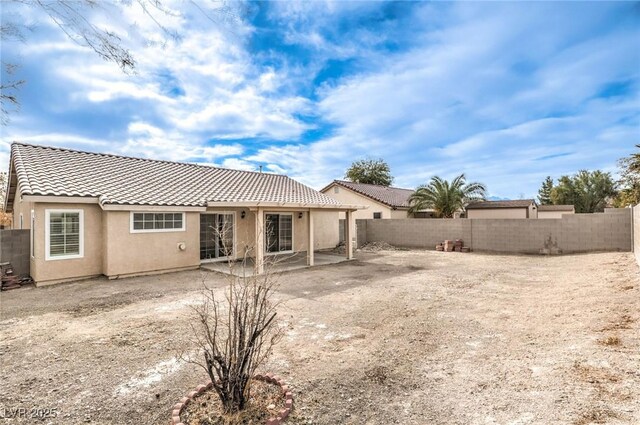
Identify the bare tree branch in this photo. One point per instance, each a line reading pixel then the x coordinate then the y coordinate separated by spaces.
pixel 235 329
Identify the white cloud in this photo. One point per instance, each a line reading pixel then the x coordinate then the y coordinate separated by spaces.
pixel 205 83
pixel 148 141
pixel 484 89
pixel 457 103
pixel 238 164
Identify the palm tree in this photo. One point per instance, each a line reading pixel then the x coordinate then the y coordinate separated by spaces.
pixel 446 198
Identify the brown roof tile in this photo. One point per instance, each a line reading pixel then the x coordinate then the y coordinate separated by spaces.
pixel 124 180
pixel 394 197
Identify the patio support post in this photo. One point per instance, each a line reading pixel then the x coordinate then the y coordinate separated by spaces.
pixel 348 234
pixel 259 249
pixel 310 243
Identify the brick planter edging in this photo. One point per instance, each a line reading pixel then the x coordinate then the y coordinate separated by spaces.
pixel 270 378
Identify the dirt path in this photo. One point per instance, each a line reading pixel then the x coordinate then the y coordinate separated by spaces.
pixel 406 337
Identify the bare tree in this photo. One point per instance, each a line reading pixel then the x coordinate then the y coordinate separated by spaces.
pixel 235 331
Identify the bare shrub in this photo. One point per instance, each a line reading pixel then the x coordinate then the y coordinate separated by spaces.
pixel 235 330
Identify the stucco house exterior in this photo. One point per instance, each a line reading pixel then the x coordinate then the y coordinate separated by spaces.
pixel 555 211
pixel 521 208
pixel 96 214
pixel 381 201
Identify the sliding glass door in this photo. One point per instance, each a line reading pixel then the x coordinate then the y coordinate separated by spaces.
pixel 216 236
pixel 279 232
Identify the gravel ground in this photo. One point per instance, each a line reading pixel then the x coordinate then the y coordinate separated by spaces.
pixel 404 337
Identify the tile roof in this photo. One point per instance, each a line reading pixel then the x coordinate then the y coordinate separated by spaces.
pixel 519 203
pixel 114 179
pixel 394 197
pixel 555 208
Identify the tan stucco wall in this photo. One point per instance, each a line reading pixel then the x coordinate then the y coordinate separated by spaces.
pixel 133 253
pixel 498 213
pixel 111 249
pixel 553 214
pixel 350 197
pixel 326 228
pixel 21 207
pixel 46 272
pixel 399 214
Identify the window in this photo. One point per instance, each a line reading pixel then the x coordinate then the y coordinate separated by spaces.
pixel 64 234
pixel 377 215
pixel 279 232
pixel 157 222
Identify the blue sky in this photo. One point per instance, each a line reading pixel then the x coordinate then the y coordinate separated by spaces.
pixel 507 93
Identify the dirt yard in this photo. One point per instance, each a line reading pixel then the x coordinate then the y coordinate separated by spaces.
pixel 402 337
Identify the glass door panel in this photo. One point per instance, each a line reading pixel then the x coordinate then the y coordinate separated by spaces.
pixel 216 236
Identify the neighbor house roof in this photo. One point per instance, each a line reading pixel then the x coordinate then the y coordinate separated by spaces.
pixel 394 197
pixel 121 180
pixel 555 208
pixel 519 203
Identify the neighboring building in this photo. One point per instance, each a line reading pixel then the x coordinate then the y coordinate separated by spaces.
pixel 521 208
pixel 381 201
pixel 555 211
pixel 97 214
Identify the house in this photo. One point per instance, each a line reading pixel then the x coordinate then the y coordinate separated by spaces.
pixel 96 214
pixel 555 211
pixel 521 208
pixel 381 201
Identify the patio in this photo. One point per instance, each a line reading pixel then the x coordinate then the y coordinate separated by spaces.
pixel 276 263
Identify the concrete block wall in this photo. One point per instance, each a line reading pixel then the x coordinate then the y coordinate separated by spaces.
pixel 361 232
pixel 636 232
pixel 14 249
pixel 526 236
pixel 416 233
pixel 611 231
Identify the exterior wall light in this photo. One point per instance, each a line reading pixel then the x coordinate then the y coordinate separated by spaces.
pixel 242 214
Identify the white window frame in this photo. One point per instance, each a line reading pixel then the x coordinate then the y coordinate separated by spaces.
pixel 47 235
pixel 293 232
pixel 132 230
pixel 235 234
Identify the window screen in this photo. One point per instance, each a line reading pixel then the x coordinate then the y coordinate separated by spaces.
pixel 158 221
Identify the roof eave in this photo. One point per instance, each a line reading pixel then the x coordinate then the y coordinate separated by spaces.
pixel 305 205
pixel 9 194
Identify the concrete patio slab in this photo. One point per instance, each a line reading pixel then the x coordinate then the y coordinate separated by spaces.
pixel 276 264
